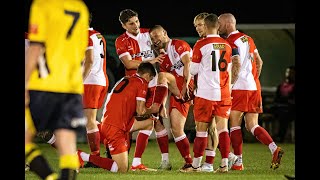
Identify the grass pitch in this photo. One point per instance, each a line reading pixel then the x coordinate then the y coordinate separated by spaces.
pixel 256 158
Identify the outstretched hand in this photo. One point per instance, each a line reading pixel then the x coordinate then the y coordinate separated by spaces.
pixel 158 59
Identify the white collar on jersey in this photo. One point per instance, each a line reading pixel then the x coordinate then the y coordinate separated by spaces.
pixel 213 35
pixel 91 28
pixel 132 36
pixel 234 32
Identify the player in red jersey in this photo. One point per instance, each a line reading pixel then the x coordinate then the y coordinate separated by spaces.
pixel 212 143
pixel 134 47
pixel 177 62
pixel 126 100
pixel 212 61
pixel 246 93
pixel 96 85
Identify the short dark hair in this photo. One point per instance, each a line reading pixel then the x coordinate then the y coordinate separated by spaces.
pixel 211 20
pixel 155 27
pixel 146 67
pixel 126 14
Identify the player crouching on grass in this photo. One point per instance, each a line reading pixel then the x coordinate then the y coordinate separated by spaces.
pixel 125 105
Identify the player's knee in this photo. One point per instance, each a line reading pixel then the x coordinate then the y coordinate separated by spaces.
pixel 176 132
pixel 123 168
pixel 148 125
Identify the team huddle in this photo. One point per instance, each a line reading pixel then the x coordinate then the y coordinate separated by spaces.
pixel 219 76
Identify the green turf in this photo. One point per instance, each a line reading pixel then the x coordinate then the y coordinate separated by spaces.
pixel 256 157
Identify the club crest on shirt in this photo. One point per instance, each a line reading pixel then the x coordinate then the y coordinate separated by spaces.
pixel 99 36
pixel 244 39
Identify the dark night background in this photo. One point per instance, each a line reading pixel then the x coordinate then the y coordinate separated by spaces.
pixel 177 16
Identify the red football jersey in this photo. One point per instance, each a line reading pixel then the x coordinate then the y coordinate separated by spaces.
pixel 138 47
pixel 122 101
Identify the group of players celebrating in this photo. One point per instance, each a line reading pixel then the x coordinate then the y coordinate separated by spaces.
pixel 219 76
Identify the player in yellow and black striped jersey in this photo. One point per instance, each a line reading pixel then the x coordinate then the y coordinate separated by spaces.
pixel 58 34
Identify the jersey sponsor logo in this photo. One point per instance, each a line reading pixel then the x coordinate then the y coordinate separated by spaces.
pixel 219 46
pixel 145 54
pixel 177 65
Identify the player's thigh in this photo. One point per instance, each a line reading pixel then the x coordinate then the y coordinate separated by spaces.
pixel 221 113
pixel 251 119
pixel 29 126
pixel 142 125
pixel 91 115
pixel 122 161
pixel 201 126
pixel 177 120
pixel 235 118
pixel 222 123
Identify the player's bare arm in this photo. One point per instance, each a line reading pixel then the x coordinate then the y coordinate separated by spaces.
pixel 235 68
pixel 143 110
pixel 172 84
pixel 130 63
pixel 33 53
pixel 186 74
pixel 259 62
pixel 88 62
